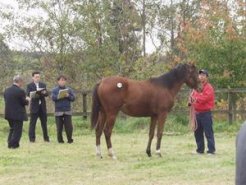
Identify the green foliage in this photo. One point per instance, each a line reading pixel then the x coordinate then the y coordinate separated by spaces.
pixel 87 40
pixel 216 42
pixel 226 61
pixel 6 63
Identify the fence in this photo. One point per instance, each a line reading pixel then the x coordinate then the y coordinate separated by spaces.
pixel 230 104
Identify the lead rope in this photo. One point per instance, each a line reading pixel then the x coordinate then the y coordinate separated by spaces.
pixel 192 116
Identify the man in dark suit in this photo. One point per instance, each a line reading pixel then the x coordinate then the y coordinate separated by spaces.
pixel 15 112
pixel 37 106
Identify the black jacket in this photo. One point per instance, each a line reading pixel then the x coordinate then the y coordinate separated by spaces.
pixel 15 101
pixel 34 107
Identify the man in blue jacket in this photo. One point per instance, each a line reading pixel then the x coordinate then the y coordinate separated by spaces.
pixel 63 96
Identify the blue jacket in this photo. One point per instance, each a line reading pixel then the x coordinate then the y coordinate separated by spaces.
pixel 62 105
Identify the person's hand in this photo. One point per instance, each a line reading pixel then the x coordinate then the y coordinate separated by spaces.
pixel 67 94
pixel 199 88
pixel 192 100
pixel 28 98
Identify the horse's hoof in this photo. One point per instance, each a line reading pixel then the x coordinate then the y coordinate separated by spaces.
pixel 148 153
pixel 158 153
pixel 99 156
pixel 114 157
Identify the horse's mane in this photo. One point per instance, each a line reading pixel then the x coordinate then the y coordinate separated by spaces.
pixel 170 78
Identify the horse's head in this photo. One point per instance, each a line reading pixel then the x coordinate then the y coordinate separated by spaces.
pixel 191 77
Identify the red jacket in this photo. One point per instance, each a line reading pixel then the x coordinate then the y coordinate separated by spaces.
pixel 204 100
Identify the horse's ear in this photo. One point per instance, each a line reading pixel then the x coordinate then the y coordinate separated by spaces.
pixel 192 63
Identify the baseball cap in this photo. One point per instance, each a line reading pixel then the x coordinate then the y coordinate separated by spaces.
pixel 203 71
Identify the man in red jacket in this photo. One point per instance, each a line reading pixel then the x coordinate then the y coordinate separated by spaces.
pixel 203 102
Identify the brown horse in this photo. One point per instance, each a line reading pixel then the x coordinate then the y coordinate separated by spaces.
pixel 152 98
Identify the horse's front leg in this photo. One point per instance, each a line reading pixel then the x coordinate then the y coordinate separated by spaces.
pixel 108 132
pixel 151 135
pixel 160 126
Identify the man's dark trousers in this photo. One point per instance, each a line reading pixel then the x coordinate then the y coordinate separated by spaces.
pixel 204 125
pixel 64 121
pixel 15 133
pixel 33 120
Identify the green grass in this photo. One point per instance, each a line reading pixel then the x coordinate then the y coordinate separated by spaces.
pixel 76 164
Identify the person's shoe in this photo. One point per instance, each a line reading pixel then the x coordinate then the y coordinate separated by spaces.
pixel 70 141
pixel 60 141
pixel 32 141
pixel 198 153
pixel 210 153
pixel 13 147
pixel 47 140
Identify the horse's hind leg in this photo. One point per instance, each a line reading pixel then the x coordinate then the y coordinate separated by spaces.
pixel 160 126
pixel 107 132
pixel 151 135
pixel 99 129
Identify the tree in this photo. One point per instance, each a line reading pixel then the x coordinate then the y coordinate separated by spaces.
pixel 6 63
pixel 49 31
pixel 216 42
pixel 84 39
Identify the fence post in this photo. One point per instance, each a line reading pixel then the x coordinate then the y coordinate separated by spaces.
pixel 230 106
pixel 84 94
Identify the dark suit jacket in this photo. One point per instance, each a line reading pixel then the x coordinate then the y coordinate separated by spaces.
pixel 15 101
pixel 34 107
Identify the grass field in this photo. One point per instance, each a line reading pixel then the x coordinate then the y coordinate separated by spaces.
pixel 76 164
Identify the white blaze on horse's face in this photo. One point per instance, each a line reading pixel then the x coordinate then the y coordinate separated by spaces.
pixel 119 85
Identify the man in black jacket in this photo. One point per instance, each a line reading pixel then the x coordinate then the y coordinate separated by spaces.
pixel 37 92
pixel 15 112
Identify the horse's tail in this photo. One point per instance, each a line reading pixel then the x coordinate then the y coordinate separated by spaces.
pixel 96 106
